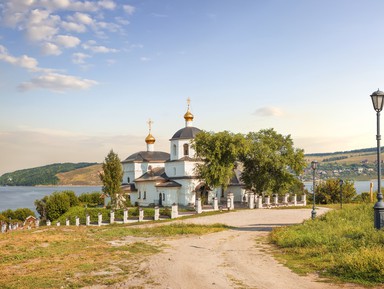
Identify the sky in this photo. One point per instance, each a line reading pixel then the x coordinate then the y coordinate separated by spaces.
pixel 79 78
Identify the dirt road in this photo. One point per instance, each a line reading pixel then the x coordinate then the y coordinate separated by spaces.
pixel 236 258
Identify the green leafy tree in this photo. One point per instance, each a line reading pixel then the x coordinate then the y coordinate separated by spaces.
pixel 22 213
pixel 111 177
pixel 328 191
pixel 270 161
pixel 41 207
pixel 57 204
pixel 73 199
pixel 219 152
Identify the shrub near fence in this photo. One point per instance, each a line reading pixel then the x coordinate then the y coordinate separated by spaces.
pixel 341 244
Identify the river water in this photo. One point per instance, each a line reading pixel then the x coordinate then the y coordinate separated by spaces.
pixel 24 197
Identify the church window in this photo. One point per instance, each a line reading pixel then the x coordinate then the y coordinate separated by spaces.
pixel 163 197
pixel 145 195
pixel 128 180
pixel 186 149
pixel 139 194
pixel 174 150
pixel 174 171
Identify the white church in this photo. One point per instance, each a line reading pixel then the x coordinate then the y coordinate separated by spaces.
pixel 159 178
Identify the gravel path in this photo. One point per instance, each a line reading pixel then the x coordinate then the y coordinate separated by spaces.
pixel 236 258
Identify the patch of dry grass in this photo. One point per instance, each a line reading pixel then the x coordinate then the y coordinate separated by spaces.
pixel 74 257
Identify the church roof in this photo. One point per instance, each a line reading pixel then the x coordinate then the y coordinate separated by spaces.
pixel 236 178
pixel 147 156
pixel 155 174
pixel 188 132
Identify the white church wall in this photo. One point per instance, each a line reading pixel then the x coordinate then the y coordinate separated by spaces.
pixel 146 193
pixel 177 149
pixel 187 195
pixel 238 192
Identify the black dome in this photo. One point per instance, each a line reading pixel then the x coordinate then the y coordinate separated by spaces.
pixel 188 132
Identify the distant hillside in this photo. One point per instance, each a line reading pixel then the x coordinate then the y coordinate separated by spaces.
pixel 345 157
pixel 88 176
pixel 45 175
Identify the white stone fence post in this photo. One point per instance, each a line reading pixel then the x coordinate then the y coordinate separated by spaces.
pixel 125 216
pixel 199 209
pixel 156 217
pixel 251 201
pixel 112 217
pixel 99 219
pixel 141 215
pixel 175 211
pixel 215 204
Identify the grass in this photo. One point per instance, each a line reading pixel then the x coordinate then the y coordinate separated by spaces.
pixel 341 244
pixel 74 257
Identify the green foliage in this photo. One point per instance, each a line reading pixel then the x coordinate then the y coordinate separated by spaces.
pixel 57 204
pixel 19 214
pixel 111 178
pixel 91 199
pixel 73 199
pixel 41 207
pixel 328 192
pixel 342 243
pixel 219 151
pixel 45 175
pixel 271 162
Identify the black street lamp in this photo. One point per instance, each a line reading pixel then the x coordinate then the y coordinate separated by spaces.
pixel 341 193
pixel 314 167
pixel 378 101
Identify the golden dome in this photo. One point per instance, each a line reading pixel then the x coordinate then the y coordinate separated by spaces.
pixel 150 139
pixel 188 116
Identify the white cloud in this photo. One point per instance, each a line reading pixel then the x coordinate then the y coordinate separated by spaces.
pixel 57 82
pixel 82 18
pixel 50 49
pixel 23 61
pixel 73 27
pixel 269 111
pixel 107 4
pixel 91 46
pixel 129 9
pixel 67 41
pixel 79 58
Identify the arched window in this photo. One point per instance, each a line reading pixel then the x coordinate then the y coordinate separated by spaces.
pixel 163 197
pixel 186 149
pixel 145 195
pixel 174 150
pixel 174 171
pixel 128 180
pixel 139 194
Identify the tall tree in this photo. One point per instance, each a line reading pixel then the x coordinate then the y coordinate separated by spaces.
pixel 218 151
pixel 271 162
pixel 111 177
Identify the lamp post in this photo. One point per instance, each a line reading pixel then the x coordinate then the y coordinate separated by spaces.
pixel 378 101
pixel 341 193
pixel 314 167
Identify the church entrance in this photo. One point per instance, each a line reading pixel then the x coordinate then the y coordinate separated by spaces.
pixel 202 192
pixel 160 199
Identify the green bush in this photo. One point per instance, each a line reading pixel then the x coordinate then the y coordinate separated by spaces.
pixel 57 204
pixel 91 199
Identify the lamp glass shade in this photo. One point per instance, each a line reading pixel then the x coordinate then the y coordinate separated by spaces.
pixel 314 165
pixel 378 100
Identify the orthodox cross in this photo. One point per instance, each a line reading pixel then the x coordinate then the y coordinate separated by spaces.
pixel 150 122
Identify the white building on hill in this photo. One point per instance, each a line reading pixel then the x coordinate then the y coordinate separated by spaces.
pixel 160 178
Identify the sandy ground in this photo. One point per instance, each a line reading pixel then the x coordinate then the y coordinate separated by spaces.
pixel 236 258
